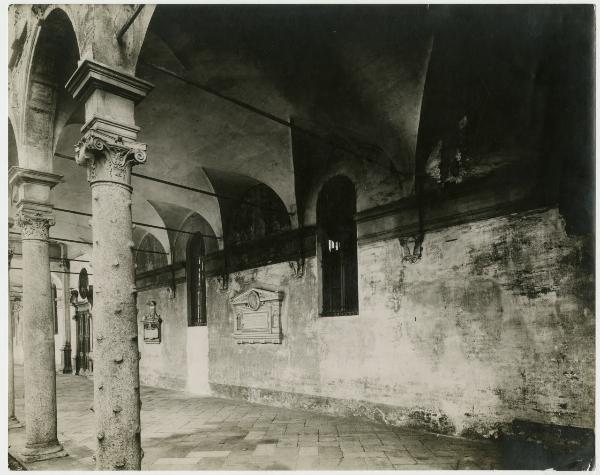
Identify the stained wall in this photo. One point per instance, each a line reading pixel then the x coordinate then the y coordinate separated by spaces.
pixel 494 322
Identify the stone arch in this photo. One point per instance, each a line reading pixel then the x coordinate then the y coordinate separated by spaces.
pixel 144 211
pixel 232 189
pixel 54 57
pixel 193 223
pixel 147 261
pixel 349 169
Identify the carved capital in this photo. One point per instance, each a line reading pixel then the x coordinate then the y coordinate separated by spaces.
pixel 108 158
pixel 34 221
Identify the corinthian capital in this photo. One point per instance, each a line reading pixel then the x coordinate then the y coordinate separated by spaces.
pixel 108 157
pixel 35 221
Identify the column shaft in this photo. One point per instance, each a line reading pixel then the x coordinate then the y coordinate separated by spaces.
pixel 116 355
pixel 38 342
pixel 13 422
pixel 109 149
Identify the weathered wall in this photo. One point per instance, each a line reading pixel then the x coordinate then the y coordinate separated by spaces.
pixel 495 322
pixel 197 360
pixel 164 364
pixel 180 361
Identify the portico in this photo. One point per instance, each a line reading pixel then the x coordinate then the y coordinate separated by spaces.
pixel 382 213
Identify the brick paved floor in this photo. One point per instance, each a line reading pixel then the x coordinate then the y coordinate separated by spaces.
pixel 185 432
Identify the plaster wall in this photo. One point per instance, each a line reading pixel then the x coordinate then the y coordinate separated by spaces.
pixel 495 322
pixel 180 361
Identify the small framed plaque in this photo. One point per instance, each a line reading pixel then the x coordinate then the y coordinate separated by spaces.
pixel 257 316
pixel 152 324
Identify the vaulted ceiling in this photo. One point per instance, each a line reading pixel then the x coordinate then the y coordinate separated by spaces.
pixel 392 78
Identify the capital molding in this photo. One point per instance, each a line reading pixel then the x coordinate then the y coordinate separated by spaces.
pixel 104 125
pixel 92 75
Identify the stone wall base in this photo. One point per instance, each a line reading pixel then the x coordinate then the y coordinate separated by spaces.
pixel 383 413
pixel 551 436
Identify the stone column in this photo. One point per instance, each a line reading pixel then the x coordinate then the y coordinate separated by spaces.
pixel 13 422
pixel 109 150
pixel 34 217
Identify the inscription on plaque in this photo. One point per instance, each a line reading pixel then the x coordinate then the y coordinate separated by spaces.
pixel 257 316
pixel 255 321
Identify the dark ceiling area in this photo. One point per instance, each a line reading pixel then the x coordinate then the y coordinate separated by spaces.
pixel 400 79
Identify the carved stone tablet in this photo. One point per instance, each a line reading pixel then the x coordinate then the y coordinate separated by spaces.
pixel 257 316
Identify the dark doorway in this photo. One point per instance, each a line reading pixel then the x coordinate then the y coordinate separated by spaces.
pixel 84 364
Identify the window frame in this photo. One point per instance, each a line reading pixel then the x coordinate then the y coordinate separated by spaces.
pixel 324 244
pixel 196 280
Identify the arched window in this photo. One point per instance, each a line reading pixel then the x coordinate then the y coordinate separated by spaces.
pixel 336 207
pixel 196 280
pixel 55 308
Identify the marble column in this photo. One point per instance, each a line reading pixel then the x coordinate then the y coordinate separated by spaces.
pixel 109 149
pixel 13 422
pixel 35 217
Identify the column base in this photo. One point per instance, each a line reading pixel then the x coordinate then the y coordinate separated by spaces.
pixel 46 452
pixel 14 423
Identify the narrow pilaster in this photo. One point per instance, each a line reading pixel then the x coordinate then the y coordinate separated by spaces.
pixel 109 149
pixel 34 217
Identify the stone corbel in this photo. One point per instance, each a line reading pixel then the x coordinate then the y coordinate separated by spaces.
pixel 297 267
pixel 414 254
pixel 171 292
pixel 171 288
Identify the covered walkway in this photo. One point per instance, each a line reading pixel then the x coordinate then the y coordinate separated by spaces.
pixel 185 432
